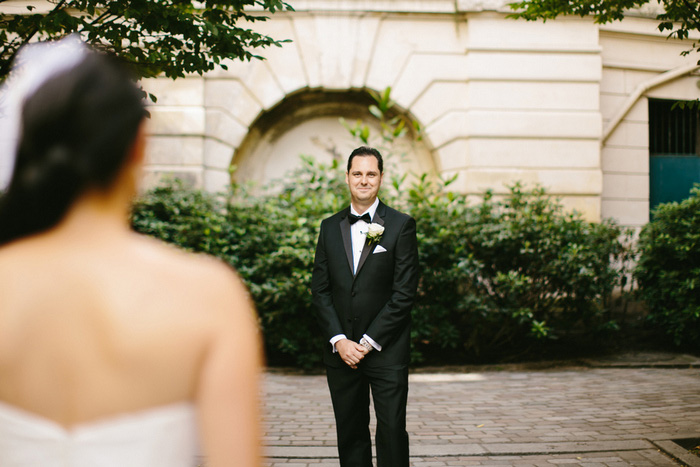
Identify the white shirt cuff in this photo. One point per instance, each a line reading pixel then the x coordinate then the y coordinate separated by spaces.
pixel 372 343
pixel 335 339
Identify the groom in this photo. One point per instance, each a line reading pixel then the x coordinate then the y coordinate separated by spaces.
pixel 364 284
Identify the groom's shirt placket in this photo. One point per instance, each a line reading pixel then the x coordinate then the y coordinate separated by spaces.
pixel 358 233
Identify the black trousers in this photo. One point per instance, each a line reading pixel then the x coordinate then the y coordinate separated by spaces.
pixel 350 395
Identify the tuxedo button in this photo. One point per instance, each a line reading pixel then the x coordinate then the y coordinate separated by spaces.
pixel 353 293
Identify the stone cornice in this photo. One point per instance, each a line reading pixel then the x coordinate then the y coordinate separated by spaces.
pixel 649 10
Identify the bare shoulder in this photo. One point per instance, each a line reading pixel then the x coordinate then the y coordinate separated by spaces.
pixel 216 284
pixel 157 252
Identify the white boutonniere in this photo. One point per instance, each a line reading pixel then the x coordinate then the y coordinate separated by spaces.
pixel 374 233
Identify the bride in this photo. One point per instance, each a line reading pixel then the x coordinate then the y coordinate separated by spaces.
pixel 115 349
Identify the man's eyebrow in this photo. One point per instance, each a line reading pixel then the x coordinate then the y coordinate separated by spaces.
pixel 359 172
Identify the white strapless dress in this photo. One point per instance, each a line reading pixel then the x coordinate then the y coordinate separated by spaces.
pixel 160 437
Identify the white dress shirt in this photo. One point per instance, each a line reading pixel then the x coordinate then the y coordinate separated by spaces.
pixel 358 234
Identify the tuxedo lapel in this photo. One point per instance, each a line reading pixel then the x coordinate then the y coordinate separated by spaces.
pixel 379 216
pixel 363 257
pixel 367 249
pixel 347 238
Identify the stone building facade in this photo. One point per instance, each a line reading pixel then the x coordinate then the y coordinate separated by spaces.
pixel 563 104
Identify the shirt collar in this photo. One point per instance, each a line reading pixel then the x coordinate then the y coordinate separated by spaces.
pixel 372 209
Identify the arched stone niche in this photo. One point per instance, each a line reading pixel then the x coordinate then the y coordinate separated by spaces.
pixel 309 123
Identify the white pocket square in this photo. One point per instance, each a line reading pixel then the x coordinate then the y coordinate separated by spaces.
pixel 379 249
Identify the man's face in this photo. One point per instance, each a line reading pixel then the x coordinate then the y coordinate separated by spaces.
pixel 364 180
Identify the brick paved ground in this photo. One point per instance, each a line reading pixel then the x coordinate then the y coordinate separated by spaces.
pixel 577 416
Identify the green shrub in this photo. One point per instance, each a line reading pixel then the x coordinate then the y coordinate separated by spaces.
pixel 497 277
pixel 502 276
pixel 276 240
pixel 668 270
pixel 269 239
pixel 189 218
pixel 443 299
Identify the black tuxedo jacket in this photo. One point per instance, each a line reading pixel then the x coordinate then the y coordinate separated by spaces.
pixel 377 300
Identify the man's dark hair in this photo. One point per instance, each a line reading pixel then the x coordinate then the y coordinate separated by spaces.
pixel 366 151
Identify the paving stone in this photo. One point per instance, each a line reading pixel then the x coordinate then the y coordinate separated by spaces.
pixel 612 416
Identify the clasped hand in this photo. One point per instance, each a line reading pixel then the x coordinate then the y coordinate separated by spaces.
pixel 351 352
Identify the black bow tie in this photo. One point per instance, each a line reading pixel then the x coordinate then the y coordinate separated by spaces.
pixel 364 217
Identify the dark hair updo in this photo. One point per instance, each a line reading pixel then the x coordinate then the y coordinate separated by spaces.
pixel 76 132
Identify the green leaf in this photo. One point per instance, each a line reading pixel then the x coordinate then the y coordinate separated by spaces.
pixel 364 134
pixel 374 110
pixel 153 37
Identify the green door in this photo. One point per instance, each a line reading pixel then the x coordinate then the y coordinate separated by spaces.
pixel 674 163
pixel 671 178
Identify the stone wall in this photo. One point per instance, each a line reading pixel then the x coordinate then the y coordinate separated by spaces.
pixel 638 63
pixel 562 103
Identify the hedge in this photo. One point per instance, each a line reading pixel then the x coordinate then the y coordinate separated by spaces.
pixel 668 269
pixel 498 277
